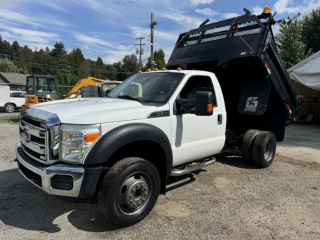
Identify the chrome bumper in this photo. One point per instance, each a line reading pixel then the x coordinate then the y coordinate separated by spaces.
pixel 47 172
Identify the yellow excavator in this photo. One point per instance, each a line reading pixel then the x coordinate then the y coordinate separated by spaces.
pixel 41 88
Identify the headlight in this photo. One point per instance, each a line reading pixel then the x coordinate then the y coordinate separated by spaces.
pixel 77 140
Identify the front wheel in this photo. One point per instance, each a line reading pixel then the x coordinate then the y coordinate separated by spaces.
pixel 129 191
pixel 9 108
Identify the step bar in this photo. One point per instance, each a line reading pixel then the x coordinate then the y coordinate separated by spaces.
pixel 190 168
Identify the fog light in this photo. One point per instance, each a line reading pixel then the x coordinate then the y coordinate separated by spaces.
pixel 63 182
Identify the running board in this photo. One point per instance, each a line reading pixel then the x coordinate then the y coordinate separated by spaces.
pixel 190 168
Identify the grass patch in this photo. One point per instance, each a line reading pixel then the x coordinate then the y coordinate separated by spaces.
pixel 9 120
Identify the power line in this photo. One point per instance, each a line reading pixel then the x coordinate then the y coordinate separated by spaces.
pixel 140 44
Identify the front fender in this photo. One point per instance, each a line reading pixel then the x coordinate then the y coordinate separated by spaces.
pixel 120 136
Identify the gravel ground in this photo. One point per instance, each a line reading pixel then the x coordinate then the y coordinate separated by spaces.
pixel 227 200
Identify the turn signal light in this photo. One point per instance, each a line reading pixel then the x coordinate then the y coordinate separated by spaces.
pixel 209 107
pixel 91 137
pixel 266 10
pixel 179 68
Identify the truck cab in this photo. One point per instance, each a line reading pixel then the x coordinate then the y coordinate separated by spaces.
pixel 167 119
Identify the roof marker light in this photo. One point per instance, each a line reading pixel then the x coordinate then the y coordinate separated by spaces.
pixel 266 10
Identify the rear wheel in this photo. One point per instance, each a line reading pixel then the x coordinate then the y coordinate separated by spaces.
pixel 129 191
pixel 9 107
pixel 247 145
pixel 264 149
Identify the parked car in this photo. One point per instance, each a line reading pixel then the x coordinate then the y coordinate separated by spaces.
pixel 11 100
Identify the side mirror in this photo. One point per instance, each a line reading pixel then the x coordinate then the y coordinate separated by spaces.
pixel 204 103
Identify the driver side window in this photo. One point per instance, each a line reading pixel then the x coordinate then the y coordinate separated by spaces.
pixel 195 84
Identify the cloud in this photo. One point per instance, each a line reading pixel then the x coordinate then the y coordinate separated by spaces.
pixel 311 5
pixel 158 34
pixel 207 11
pixel 230 15
pixel 185 21
pixel 197 2
pixel 40 21
pixel 50 4
pixel 116 56
pixel 257 10
pixel 15 17
pixel 29 36
pixel 92 40
pixel 281 6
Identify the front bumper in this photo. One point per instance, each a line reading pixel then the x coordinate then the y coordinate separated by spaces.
pixel 84 179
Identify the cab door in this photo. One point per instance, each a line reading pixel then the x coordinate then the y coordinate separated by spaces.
pixel 195 137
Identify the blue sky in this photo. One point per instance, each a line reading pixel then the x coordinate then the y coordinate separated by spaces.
pixel 108 28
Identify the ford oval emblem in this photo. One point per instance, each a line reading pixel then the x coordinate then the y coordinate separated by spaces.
pixel 26 135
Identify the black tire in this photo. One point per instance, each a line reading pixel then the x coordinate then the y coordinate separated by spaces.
pixel 264 149
pixel 247 145
pixel 129 191
pixel 9 108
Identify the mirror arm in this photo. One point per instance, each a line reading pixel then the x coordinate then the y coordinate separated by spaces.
pixel 179 103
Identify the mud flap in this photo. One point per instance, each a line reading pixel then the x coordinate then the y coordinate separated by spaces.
pixel 254 98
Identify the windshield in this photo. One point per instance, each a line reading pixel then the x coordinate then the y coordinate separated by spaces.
pixel 47 85
pixel 149 87
pixel 42 85
pixel 106 88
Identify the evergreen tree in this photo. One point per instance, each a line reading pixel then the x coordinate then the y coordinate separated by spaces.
pixel 159 59
pixel 76 59
pixel 291 48
pixel 311 30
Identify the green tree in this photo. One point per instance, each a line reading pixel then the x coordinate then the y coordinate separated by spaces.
pixel 159 59
pixel 289 42
pixel 8 66
pixel 311 30
pixel 130 64
pixel 76 59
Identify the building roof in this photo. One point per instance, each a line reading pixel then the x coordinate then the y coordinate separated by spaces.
pixel 13 77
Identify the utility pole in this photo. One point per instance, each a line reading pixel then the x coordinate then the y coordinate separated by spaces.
pixel 140 52
pixel 153 23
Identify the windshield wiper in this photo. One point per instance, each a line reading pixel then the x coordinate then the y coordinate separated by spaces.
pixel 129 97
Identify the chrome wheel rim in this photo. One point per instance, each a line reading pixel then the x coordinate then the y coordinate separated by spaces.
pixel 10 108
pixel 134 193
pixel 269 150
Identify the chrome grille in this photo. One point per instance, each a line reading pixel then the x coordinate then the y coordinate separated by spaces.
pixel 39 135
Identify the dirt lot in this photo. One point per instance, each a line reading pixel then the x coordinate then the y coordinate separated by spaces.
pixel 227 200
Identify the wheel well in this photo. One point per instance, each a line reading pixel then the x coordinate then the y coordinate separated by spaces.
pixel 11 103
pixel 147 150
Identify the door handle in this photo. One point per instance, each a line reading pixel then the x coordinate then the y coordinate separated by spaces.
pixel 219 119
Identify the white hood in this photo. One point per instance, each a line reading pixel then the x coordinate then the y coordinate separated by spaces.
pixel 96 110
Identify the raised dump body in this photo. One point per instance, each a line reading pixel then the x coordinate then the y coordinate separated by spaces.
pixel 243 55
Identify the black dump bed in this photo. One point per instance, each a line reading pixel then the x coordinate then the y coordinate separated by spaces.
pixel 242 53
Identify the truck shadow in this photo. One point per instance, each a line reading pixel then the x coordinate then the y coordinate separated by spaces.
pixel 24 206
pixel 233 159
